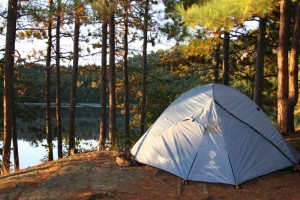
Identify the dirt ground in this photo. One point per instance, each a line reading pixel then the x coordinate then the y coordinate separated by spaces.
pixel 96 175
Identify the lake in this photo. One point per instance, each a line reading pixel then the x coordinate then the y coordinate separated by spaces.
pixel 31 154
pixel 31 136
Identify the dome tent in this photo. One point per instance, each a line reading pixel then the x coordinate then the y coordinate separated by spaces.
pixel 214 133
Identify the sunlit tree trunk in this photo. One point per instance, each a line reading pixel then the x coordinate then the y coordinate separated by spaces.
pixel 283 82
pixel 48 86
pixel 15 143
pixel 293 70
pixel 216 63
pixel 225 67
pixel 58 87
pixel 112 84
pixel 103 121
pixel 72 149
pixel 8 84
pixel 125 72
pixel 259 66
pixel 144 73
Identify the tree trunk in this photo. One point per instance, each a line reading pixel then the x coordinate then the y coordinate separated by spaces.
pixel 112 85
pixel 259 66
pixel 283 83
pixel 15 143
pixel 48 86
pixel 125 75
pixel 72 149
pixel 293 70
pixel 225 75
pixel 58 87
pixel 144 73
pixel 216 63
pixel 8 84
pixel 103 131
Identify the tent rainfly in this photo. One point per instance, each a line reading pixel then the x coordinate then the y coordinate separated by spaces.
pixel 214 133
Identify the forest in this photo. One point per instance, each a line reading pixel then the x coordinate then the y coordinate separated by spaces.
pixel 249 45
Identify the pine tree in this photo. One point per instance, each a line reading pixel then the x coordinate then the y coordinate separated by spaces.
pixel 125 70
pixel 78 14
pixel 226 53
pixel 8 84
pixel 112 78
pixel 103 10
pixel 293 69
pixel 283 81
pixel 48 85
pixel 144 64
pixel 103 121
pixel 215 15
pixel 58 85
pixel 259 66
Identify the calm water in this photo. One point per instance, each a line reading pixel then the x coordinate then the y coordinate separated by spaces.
pixel 31 135
pixel 31 155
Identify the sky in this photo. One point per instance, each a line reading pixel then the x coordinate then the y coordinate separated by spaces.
pixel 26 47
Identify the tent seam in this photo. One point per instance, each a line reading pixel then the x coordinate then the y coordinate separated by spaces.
pixel 191 167
pixel 256 132
pixel 232 169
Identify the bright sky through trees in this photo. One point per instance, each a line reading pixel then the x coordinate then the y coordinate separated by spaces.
pixel 28 47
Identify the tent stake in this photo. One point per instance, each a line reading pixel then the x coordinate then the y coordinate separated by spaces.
pixel 296 167
pixel 205 189
pixel 179 188
pixel 238 187
pixel 185 182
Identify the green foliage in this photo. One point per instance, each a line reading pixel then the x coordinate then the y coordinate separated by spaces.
pixel 102 8
pixel 216 14
pixel 30 84
pixel 124 142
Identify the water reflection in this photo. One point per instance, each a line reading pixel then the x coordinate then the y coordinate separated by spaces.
pixel 31 155
pixel 86 122
pixel 31 131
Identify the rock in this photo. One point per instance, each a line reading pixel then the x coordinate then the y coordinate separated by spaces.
pixel 123 160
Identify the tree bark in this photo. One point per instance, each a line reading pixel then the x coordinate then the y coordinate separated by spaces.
pixel 58 87
pixel 144 73
pixel 48 86
pixel 125 75
pixel 216 63
pixel 112 85
pixel 293 70
pixel 225 68
pixel 259 65
pixel 103 131
pixel 72 149
pixel 15 143
pixel 8 84
pixel 283 83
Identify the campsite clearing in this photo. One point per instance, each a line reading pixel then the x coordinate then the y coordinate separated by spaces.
pixel 97 176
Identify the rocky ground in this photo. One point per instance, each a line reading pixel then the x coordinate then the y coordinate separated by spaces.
pixel 97 176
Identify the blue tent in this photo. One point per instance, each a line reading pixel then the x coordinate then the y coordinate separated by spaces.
pixel 214 133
